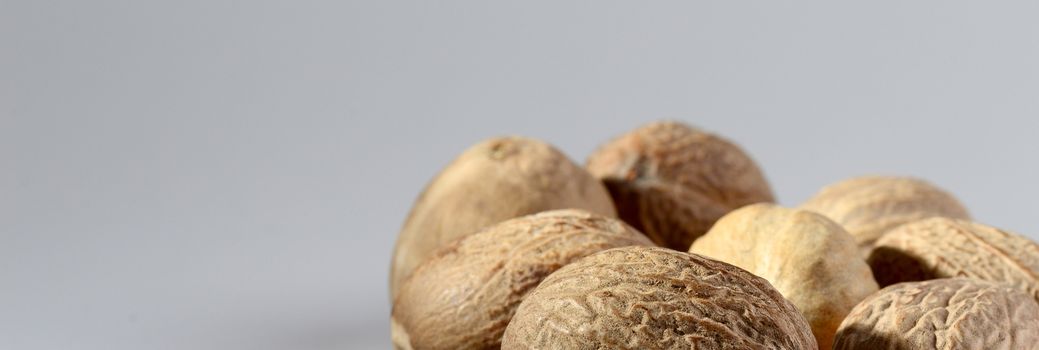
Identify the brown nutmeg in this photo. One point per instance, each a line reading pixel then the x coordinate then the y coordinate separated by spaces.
pixel 655 298
pixel 672 181
pixel 942 247
pixel 868 206
pixel 948 313
pixel 490 182
pixel 465 295
pixel 809 259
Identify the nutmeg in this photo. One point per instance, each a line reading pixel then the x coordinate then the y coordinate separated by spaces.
pixel 948 313
pixel 495 180
pixel 672 181
pixel 868 206
pixel 655 298
pixel 465 295
pixel 808 258
pixel 942 247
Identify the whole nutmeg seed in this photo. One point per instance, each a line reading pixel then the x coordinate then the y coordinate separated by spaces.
pixel 672 181
pixel 465 295
pixel 490 182
pixel 655 298
pixel 950 313
pixel 942 247
pixel 809 259
pixel 869 206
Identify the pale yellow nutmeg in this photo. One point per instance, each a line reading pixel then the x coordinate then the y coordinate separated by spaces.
pixel 808 258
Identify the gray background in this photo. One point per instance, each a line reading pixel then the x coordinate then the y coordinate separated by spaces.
pixel 231 175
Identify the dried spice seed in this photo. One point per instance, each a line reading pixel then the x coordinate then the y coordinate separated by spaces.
pixel 808 258
pixel 943 247
pixel 465 295
pixel 493 181
pixel 655 298
pixel 672 181
pixel 948 313
pixel 869 206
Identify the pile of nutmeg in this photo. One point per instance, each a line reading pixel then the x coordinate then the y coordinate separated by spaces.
pixel 668 238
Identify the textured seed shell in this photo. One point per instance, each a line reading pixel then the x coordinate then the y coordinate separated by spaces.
pixel 948 313
pixel 672 181
pixel 809 259
pixel 868 206
pixel 464 296
pixel 493 181
pixel 655 298
pixel 942 247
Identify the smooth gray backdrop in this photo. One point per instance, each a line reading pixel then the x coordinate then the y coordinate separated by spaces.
pixel 231 174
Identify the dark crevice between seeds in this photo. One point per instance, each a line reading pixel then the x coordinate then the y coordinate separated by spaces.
pixel 892 266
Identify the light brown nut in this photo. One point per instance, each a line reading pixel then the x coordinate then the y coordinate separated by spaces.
pixel 942 247
pixel 868 206
pixel 948 314
pixel 465 295
pixel 493 181
pixel 672 181
pixel 809 259
pixel 655 298
pixel 399 336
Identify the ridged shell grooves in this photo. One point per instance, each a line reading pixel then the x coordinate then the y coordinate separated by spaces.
pixel 672 181
pixel 464 296
pixel 492 181
pixel 951 313
pixel 655 298
pixel 942 247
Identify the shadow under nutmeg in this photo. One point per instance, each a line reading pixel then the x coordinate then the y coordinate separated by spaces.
pixel 891 266
pixel 863 337
pixel 627 201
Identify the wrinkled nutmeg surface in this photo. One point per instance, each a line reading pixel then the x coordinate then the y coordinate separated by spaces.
pixel 808 258
pixel 655 298
pixel 868 206
pixel 948 313
pixel 465 295
pixel 942 247
pixel 672 181
pixel 490 182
